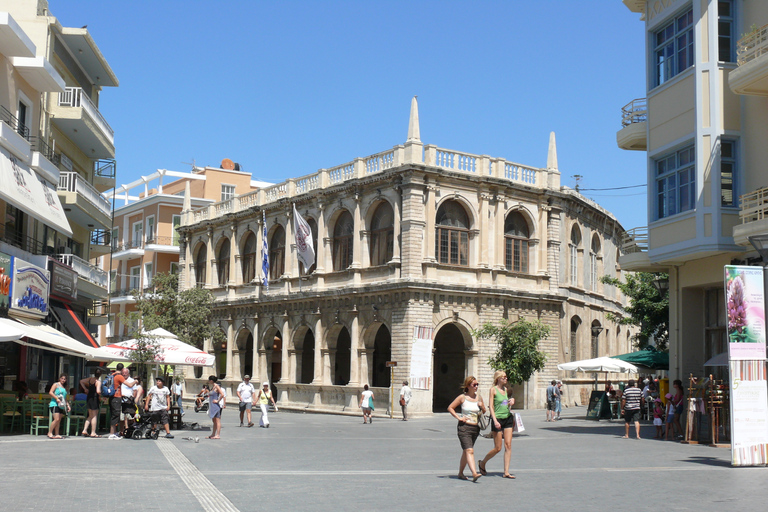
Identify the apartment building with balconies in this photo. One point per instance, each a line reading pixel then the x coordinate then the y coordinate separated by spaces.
pixel 416 247
pixel 702 124
pixel 49 189
pixel 144 237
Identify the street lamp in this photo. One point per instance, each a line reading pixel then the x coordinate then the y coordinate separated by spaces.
pixel 760 243
pixel 596 330
pixel 661 285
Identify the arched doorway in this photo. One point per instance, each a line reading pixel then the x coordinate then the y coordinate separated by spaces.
pixel 449 367
pixel 382 352
pixel 341 368
pixel 308 358
pixel 245 349
pixel 277 362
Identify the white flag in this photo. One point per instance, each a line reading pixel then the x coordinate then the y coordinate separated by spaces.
pixel 304 248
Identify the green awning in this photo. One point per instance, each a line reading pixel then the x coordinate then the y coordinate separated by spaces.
pixel 649 358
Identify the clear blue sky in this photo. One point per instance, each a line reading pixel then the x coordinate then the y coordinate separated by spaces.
pixel 286 88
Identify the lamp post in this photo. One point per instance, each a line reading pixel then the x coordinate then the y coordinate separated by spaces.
pixel 661 285
pixel 760 243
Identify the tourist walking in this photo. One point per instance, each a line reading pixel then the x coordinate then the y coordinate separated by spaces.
pixel 631 402
pixel 558 399
pixel 405 399
pixel 551 392
pixel 245 392
pixel 502 423
pixel 214 406
pixel 58 405
pixel 92 388
pixel 366 404
pixel 158 403
pixel 265 396
pixel 470 404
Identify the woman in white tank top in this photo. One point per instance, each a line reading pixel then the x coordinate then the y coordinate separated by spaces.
pixel 471 404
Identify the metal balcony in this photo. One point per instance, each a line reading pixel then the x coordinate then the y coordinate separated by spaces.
pixel 751 77
pixel 634 250
pixel 86 204
pixel 634 122
pixel 92 281
pixel 753 216
pixel 80 120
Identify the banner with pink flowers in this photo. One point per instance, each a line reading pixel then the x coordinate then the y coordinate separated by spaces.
pixel 745 306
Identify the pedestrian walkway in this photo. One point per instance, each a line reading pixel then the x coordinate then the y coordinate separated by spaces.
pixel 325 462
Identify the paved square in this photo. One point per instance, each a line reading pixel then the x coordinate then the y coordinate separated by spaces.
pixel 324 462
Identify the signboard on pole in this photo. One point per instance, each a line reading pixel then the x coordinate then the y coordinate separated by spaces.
pixel 421 358
pixel 29 289
pixel 745 310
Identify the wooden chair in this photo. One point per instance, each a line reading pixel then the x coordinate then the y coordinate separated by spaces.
pixel 40 417
pixel 77 416
pixel 9 413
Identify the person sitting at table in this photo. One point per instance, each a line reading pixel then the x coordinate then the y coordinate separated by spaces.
pixel 22 389
pixel 200 397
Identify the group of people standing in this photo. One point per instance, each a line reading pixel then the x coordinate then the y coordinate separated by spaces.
pixel 554 400
pixel 470 406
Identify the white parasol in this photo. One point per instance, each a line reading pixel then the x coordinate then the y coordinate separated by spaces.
pixel 599 364
pixel 170 350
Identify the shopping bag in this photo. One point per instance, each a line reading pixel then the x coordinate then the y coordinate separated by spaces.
pixel 519 427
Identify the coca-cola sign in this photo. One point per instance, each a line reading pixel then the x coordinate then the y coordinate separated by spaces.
pixel 201 360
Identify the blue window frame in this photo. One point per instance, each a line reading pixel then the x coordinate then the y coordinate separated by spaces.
pixel 673 48
pixel 728 173
pixel 725 31
pixel 676 182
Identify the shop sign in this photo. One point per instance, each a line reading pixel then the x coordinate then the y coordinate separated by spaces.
pixel 5 280
pixel 63 282
pixel 745 310
pixel 29 289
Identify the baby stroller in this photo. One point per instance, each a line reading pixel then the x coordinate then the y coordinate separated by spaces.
pixel 142 427
pixel 203 405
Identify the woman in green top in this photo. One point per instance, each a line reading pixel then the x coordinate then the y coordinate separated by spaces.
pixel 502 422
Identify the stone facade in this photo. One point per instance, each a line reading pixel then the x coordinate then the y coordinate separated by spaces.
pixel 417 236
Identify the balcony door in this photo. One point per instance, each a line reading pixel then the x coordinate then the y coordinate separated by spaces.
pixel 138 234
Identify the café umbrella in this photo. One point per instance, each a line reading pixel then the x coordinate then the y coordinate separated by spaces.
pixel 599 365
pixel 171 350
pixel 647 358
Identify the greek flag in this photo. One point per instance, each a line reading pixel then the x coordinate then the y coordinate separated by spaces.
pixel 265 253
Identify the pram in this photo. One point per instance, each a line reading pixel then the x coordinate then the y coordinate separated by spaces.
pixel 142 427
pixel 204 404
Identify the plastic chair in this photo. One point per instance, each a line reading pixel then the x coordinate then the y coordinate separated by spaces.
pixel 40 417
pixel 9 413
pixel 77 416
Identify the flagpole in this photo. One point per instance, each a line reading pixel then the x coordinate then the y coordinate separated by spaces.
pixel 297 245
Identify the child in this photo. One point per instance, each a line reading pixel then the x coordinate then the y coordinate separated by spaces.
pixel 658 412
pixel 670 417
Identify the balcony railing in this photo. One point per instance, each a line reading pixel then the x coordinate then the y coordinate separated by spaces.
pixel 73 182
pixel 163 240
pixel 635 240
pixel 752 45
pixel 118 246
pixel 104 168
pixel 76 97
pixel 9 119
pixel 636 111
pixel 25 243
pixel 101 237
pixel 85 270
pixel 45 149
pixel 754 206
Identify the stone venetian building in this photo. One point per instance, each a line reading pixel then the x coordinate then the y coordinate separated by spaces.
pixel 413 237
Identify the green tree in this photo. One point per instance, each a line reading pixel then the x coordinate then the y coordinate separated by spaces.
pixel 647 309
pixel 518 348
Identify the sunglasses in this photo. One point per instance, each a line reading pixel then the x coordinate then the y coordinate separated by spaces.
pixel 475 385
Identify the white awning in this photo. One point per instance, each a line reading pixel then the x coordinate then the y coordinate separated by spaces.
pixel 54 340
pixel 26 190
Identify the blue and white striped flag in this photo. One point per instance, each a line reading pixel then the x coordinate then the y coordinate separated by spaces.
pixel 265 253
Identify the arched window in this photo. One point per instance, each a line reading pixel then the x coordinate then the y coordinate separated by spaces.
pixel 222 262
pixel 594 253
pixel 200 262
pixel 313 227
pixel 342 241
pixel 516 236
pixel 452 237
pixel 277 253
pixel 574 349
pixel 573 250
pixel 595 339
pixel 248 260
pixel 382 234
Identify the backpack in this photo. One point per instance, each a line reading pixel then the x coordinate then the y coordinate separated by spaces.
pixel 108 386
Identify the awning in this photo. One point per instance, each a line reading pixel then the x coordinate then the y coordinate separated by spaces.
pixel 9 331
pixel 74 326
pixel 26 190
pixel 54 340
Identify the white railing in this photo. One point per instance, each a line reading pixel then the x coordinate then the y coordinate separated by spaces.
pixel 361 167
pixel 635 240
pixel 752 45
pixel 76 97
pixel 85 270
pixel 636 111
pixel 754 206
pixel 73 182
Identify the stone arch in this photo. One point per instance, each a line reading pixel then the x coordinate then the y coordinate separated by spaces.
pixel 573 337
pixel 200 258
pixel 594 346
pixel 221 255
pixel 342 231
pixel 380 225
pixel 449 362
pixel 303 342
pixel 472 214
pixel 530 219
pixel 382 352
pixel 245 348
pixel 278 248
pixel 249 255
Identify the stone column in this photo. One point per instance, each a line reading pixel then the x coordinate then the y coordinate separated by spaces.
pixel 429 250
pixel 327 367
pixel 486 234
pixel 319 335
pixel 285 363
pixel 497 234
pixel 263 368
pixel 365 377
pixel 257 371
pixel 234 255
pixel 354 370
pixel 396 226
pixel 230 343
pixel 356 236
pixel 553 249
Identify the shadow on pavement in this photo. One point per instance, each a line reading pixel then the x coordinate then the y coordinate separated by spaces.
pixel 709 461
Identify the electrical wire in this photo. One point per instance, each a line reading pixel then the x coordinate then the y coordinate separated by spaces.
pixel 614 188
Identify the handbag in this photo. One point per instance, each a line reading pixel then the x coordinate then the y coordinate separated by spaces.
pixel 483 420
pixel 518 427
pixel 402 402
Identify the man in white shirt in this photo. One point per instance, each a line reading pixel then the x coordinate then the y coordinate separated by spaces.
pixel 245 391
pixel 405 399
pixel 177 392
pixel 158 402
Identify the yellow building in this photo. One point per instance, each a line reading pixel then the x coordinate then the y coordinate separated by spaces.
pixel 702 124
pixel 413 243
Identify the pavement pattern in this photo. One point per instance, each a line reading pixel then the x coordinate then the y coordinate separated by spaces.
pixel 328 462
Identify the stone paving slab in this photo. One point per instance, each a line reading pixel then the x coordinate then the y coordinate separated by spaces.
pixel 326 462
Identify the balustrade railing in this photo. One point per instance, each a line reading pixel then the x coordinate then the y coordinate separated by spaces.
pixel 11 120
pixel 73 182
pixel 635 240
pixel 76 97
pixel 754 206
pixel 752 45
pixel 636 111
pixel 85 270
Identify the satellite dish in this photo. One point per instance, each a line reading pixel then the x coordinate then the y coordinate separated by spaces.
pixel 227 164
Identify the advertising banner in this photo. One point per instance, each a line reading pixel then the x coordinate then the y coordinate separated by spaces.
pixel 29 289
pixel 745 309
pixel 749 413
pixel 421 358
pixel 63 282
pixel 5 280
